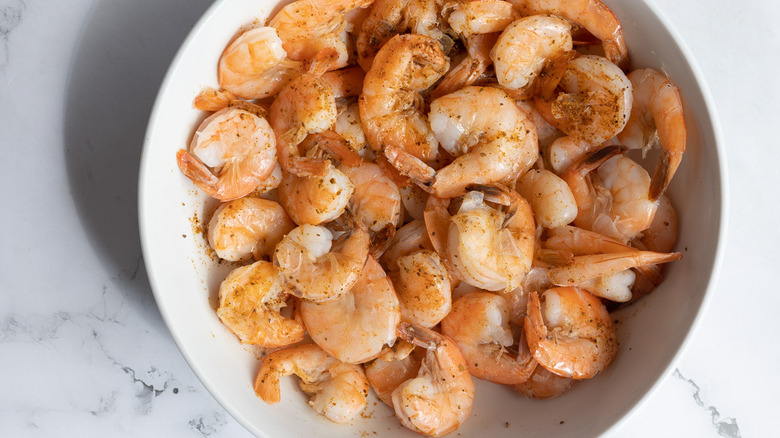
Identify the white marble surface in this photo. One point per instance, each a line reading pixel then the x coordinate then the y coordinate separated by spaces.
pixel 83 349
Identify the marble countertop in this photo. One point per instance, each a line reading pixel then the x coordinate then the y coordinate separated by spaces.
pixel 83 349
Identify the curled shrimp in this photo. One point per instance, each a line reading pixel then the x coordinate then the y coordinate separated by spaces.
pixel 482 126
pixel 317 267
pixel 595 102
pixel 250 301
pixel 656 117
pixel 468 18
pixel 248 227
pixel 612 194
pixel 376 199
pixel 386 19
pixel 385 375
pixel 356 326
pixel 315 199
pixel 255 65
pixel 408 239
pixel 312 31
pixel 423 287
pixel 232 152
pixel 391 106
pixel 479 324
pixel 440 398
pixel 490 248
pixel 543 385
pixel 526 45
pixel 338 391
pixel 551 198
pixel 593 15
pixel 570 332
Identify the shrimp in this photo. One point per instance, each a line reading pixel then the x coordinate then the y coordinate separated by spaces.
pixel 348 126
pixel 385 375
pixel 491 249
pixel 414 199
pixel 376 199
pixel 315 199
pixel 390 106
pixel 468 18
pixel 317 267
pixel 408 239
pixel 566 150
pixel 471 68
pixel 346 82
pixel 479 324
pixel 248 227
pixel 213 100
pixel 526 45
pixel 544 385
pixel 356 326
pixel 593 15
pixel 613 200
pixel 572 335
pixel 440 398
pixel 595 103
pixel 661 235
pixel 656 117
pixel 268 184
pixel 338 391
pixel 483 127
pixel 386 19
pixel 423 287
pixel 232 152
pixel 306 105
pixel 551 198
pixel 250 301
pixel 312 31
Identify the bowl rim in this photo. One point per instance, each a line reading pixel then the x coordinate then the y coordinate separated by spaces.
pixel 712 281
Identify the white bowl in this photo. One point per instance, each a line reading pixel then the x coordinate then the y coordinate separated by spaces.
pixel 652 333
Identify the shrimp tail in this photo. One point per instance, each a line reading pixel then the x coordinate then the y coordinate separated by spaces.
pixel 411 166
pixel 596 158
pixel 587 267
pixel 418 336
pixel 381 240
pixel 338 147
pixel 307 166
pixel 534 327
pixel 213 100
pixel 267 384
pixel 663 174
pixel 198 172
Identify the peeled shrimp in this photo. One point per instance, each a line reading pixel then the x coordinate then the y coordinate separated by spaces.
pixel 661 235
pixel 544 385
pixel 551 198
pixel 479 324
pixel 338 391
pixel 376 199
pixel 317 267
pixel 250 299
pixel 348 126
pixel 356 326
pixel 526 45
pixel 248 227
pixel 386 375
pixel 566 150
pixel 315 199
pixel 656 117
pixel 440 398
pixel 391 106
pixel 255 65
pixel 595 103
pixel 570 332
pixel 593 15
pixel 483 127
pixel 232 152
pixel 386 19
pixel 468 18
pixel 489 248
pixel 423 287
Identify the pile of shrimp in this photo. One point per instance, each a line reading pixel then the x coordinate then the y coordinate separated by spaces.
pixel 423 192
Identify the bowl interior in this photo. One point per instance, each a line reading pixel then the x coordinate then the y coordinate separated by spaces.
pixel 173 215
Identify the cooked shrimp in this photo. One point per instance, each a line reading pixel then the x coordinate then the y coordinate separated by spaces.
pixel 551 198
pixel 317 267
pixel 313 30
pixel 546 132
pixel 391 106
pixel 468 18
pixel 306 105
pixel 250 301
pixel 566 150
pixel 348 126
pixel 385 375
pixel 248 227
pixel 268 184
pixel 425 18
pixel 232 152
pixel 570 332
pixel 544 385
pixel 346 82
pixel 661 235
pixel 489 248
pixel 471 68
pixel 315 199
pixel 255 65
pixel 386 19
pixel 338 391
pixel 423 287
pixel 613 200
pixel 483 127
pixel 356 326
pixel 593 15
pixel 408 239
pixel 440 398
pixel 656 117
pixel 595 103
pixel 526 45
pixel 479 324
pixel 414 199
pixel 376 199
pixel 213 100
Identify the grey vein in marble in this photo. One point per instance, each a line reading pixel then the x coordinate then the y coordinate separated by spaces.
pixel 728 427
pixel 208 425
pixel 11 14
